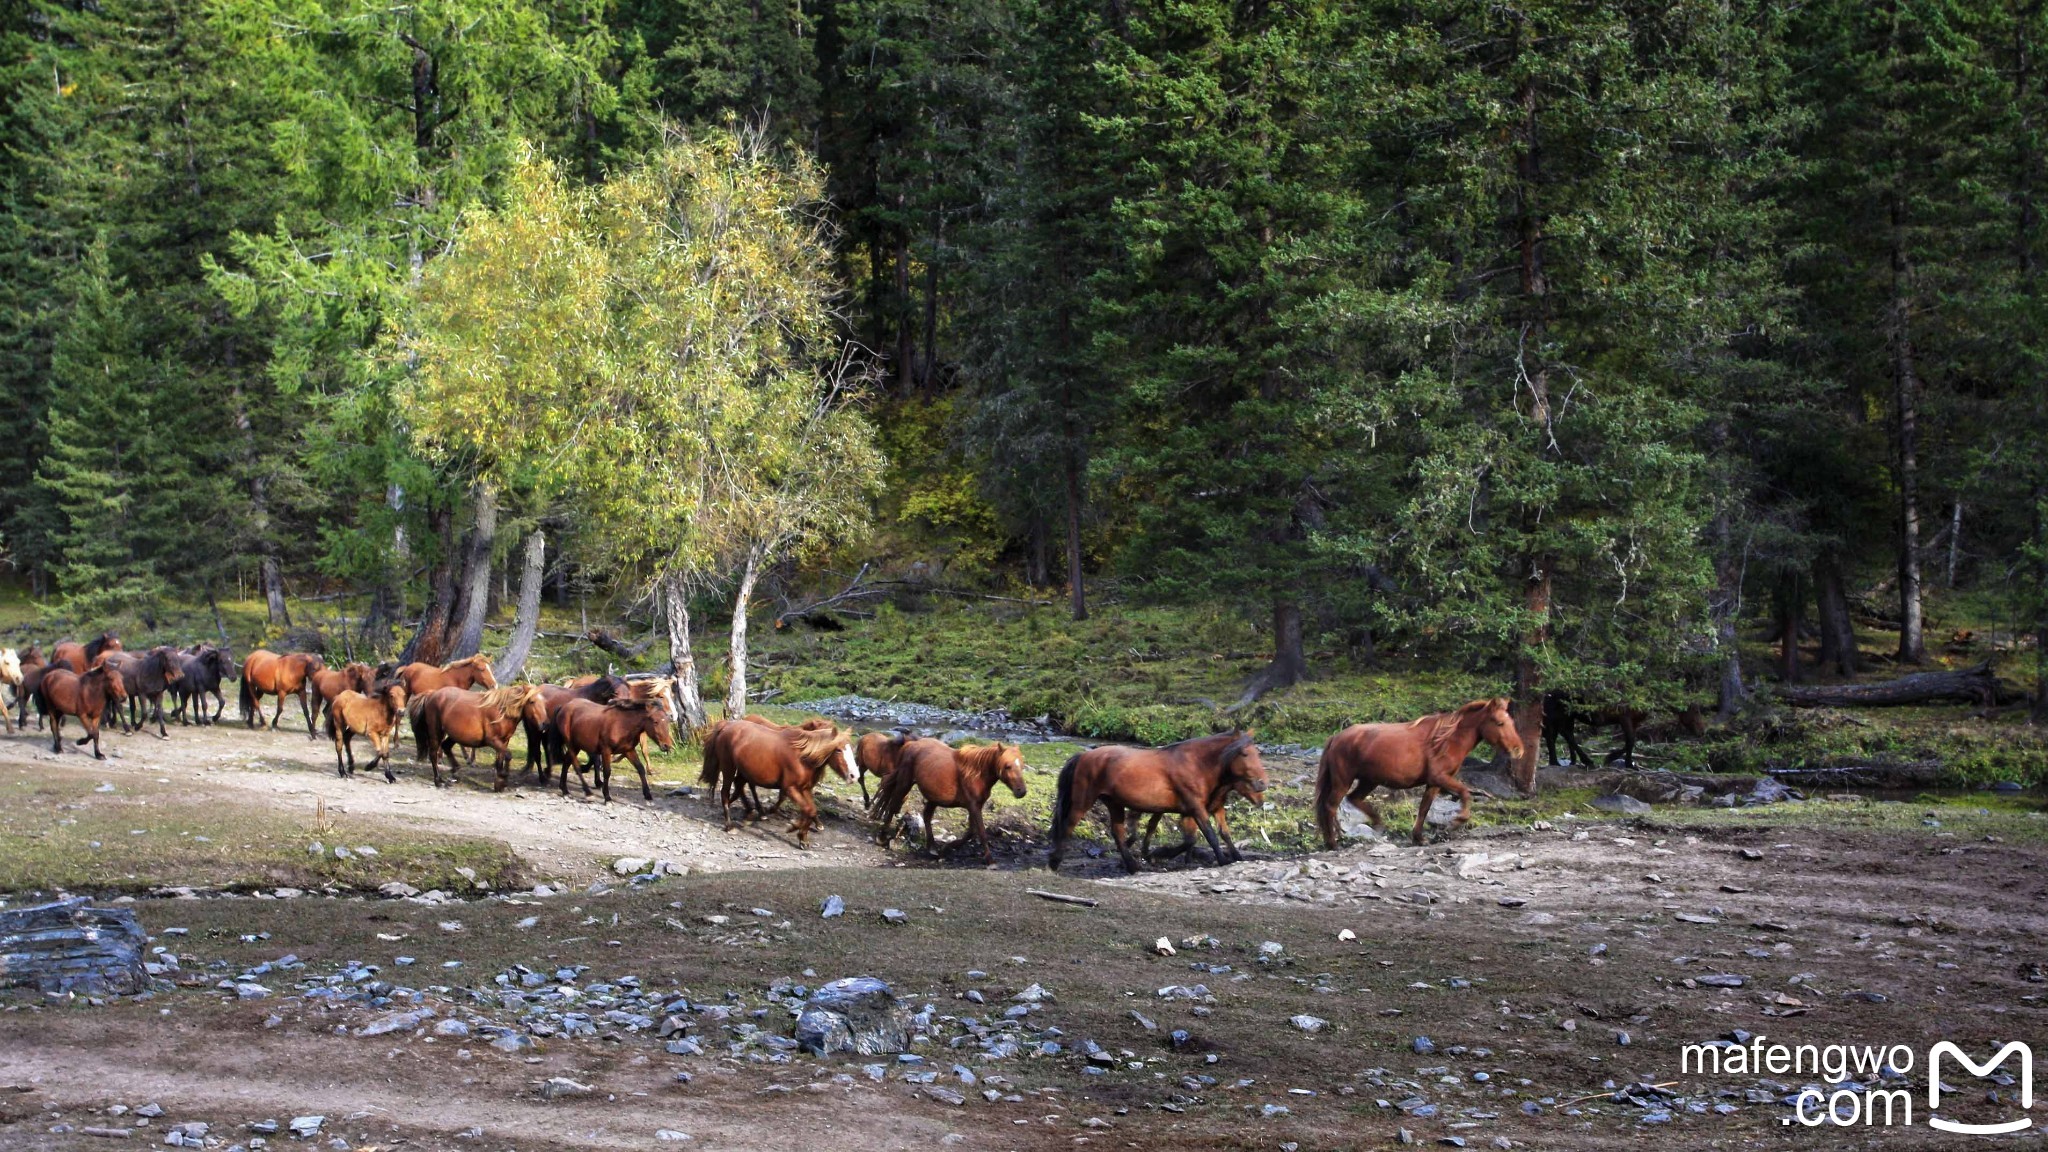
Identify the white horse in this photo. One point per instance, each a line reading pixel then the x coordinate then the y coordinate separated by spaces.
pixel 10 674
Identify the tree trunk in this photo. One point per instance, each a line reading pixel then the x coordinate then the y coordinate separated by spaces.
pixel 1906 398
pixel 1791 599
pixel 906 354
pixel 1037 551
pixel 1955 539
pixel 1976 685
pixel 1077 594
pixel 1724 603
pixel 675 596
pixel 1837 631
pixel 429 642
pixel 736 687
pixel 476 576
pixel 1529 675
pixel 526 625
pixel 273 590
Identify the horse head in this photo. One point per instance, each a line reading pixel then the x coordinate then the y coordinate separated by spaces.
pixel 1010 768
pixel 167 662
pixel 1494 721
pixel 392 694
pixel 359 677
pixel 656 724
pixel 116 690
pixel 102 643
pixel 480 667
pixel 10 666
pixel 529 705
pixel 221 659
pixel 1244 768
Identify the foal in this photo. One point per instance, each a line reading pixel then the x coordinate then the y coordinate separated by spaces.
pixel 146 677
pixel 948 778
pixel 66 693
pixel 376 715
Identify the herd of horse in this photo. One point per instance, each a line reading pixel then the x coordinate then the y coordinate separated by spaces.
pixel 455 710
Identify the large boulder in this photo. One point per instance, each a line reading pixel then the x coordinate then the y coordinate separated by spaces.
pixel 858 1014
pixel 70 946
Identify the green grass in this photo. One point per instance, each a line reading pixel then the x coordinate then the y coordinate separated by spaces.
pixel 59 832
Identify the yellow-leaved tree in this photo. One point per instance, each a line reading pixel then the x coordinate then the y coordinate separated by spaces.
pixel 658 354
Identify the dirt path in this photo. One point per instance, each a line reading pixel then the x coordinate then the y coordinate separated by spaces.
pixel 563 839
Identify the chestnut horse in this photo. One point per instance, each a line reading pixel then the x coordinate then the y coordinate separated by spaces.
pixel 738 753
pixel 354 676
pixel 10 675
pixel 146 676
pixel 466 673
pixel 266 673
pixel 750 800
pixel 948 778
pixel 32 668
pixel 204 666
pixel 447 718
pixel 374 714
pixel 78 657
pixel 602 732
pixel 66 693
pixel 1427 752
pixel 875 755
pixel 1186 778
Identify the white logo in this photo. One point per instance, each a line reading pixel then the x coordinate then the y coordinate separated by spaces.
pixel 1934 1086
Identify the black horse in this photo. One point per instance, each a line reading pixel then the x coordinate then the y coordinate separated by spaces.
pixel 146 676
pixel 204 666
pixel 1562 715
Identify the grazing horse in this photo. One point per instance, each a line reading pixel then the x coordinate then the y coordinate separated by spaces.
pixel 948 778
pixel 265 673
pixel 1426 752
pixel 203 667
pixel 374 714
pixel 447 718
pixel 32 668
pixel 354 676
pixel 737 753
pixel 1187 778
pixel 875 755
pixel 543 745
pixel 602 732
pixel 10 674
pixel 78 657
pixel 66 693
pixel 466 673
pixel 146 676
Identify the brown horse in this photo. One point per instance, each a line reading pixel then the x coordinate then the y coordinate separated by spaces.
pixel 146 676
pixel 948 778
pixel 78 657
pixel 266 673
pixel 447 718
pixel 543 747
pixel 66 693
pixel 32 668
pixel 1186 778
pixel 1427 752
pixel 602 732
pixel 374 714
pixel 750 800
pixel 875 755
pixel 329 683
pixel 466 673
pixel 737 753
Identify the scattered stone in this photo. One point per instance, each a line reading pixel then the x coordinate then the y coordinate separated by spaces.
pixel 397 890
pixel 631 865
pixel 894 916
pixel 1624 805
pixel 561 1087
pixel 1723 980
pixel 1424 1046
pixel 1163 946
pixel 944 1095
pixel 833 906
pixel 69 946
pixel 1271 949
pixel 396 1022
pixel 1346 936
pixel 1752 854
pixel 670 1134
pixel 306 1127
pixel 1307 1023
pixel 858 1014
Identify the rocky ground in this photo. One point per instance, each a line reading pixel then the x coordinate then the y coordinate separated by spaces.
pixel 1523 986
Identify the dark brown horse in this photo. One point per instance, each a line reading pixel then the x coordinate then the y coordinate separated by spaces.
pixel 266 673
pixel 33 666
pixel 374 714
pixel 1562 716
pixel 1182 778
pixel 78 657
pixel 948 778
pixel 543 747
pixel 737 753
pixel 1426 752
pixel 874 754
pixel 66 693
pixel 146 676
pixel 354 676
pixel 203 666
pixel 448 718
pixel 602 732
pixel 466 673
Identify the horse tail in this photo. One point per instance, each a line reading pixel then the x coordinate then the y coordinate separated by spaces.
pixel 248 700
pixel 422 738
pixel 1328 797
pixel 889 799
pixel 713 762
pixel 1063 795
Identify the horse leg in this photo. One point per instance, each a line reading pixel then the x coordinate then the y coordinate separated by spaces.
pixel 163 729
pixel 1121 833
pixel 1628 739
pixel 383 747
pixel 220 704
pixel 807 817
pixel 864 801
pixel 604 772
pixel 931 832
pixel 341 743
pixel 306 710
pixel 1223 829
pixel 980 831
pixel 640 765
pixel 277 715
pixel 92 729
pixel 57 732
pixel 1358 799
pixel 503 763
pixel 1422 812
pixel 1456 787
pixel 1199 811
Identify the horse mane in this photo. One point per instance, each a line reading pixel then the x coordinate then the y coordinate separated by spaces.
pixel 810 743
pixel 1447 724
pixel 505 701
pixel 467 661
pixel 980 759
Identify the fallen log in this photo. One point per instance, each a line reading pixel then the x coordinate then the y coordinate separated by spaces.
pixel 70 946
pixel 616 646
pixel 1060 897
pixel 1975 685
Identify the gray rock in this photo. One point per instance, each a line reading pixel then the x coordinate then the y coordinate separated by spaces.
pixel 833 906
pixel 858 1014
pixel 71 946
pixel 1769 790
pixel 305 1127
pixel 1307 1023
pixel 451 1028
pixel 1625 805
pixel 396 1022
pixel 1723 980
pixel 631 865
pixel 561 1087
pixel 895 916
pixel 397 890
